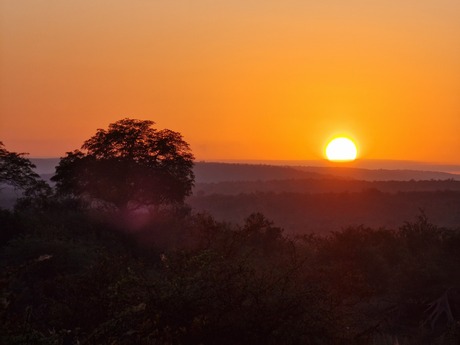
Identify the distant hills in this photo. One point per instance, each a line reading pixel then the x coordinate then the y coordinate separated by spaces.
pixel 373 164
pixel 305 198
pixel 380 174
pixel 212 172
pixel 219 172
pixel 319 199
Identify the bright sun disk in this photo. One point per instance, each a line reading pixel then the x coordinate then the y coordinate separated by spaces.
pixel 341 149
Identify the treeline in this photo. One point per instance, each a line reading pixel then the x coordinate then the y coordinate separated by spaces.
pixel 324 185
pixel 74 275
pixel 217 172
pixel 300 213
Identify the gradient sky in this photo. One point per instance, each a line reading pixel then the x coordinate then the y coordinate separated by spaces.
pixel 240 79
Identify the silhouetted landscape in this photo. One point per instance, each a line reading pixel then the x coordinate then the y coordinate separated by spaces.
pixel 305 199
pixel 128 241
pixel 321 199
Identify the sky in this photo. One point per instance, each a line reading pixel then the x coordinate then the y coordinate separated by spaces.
pixel 240 79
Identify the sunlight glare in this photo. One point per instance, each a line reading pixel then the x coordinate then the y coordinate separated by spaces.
pixel 341 150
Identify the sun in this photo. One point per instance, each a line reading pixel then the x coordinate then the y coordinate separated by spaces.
pixel 341 150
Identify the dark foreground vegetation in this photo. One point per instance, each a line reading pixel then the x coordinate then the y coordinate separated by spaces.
pixel 320 213
pixel 72 276
pixel 112 255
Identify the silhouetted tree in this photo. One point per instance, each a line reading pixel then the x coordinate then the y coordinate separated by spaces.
pixel 130 164
pixel 17 171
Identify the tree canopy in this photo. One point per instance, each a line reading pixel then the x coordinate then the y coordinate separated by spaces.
pixel 129 164
pixel 17 171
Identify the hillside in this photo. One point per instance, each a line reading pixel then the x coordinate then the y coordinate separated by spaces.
pixel 217 172
pixel 324 185
pixel 207 172
pixel 300 213
pixel 320 199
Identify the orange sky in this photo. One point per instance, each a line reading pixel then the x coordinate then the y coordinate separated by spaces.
pixel 240 79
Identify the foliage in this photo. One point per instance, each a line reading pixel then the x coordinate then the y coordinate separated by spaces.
pixel 321 207
pixel 69 274
pixel 17 171
pixel 245 286
pixel 130 164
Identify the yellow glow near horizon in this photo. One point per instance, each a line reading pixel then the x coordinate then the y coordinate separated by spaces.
pixel 341 150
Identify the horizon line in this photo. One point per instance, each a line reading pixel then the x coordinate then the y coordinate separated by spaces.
pixel 369 164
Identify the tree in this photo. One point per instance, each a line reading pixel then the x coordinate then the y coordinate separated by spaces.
pixel 130 164
pixel 17 171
